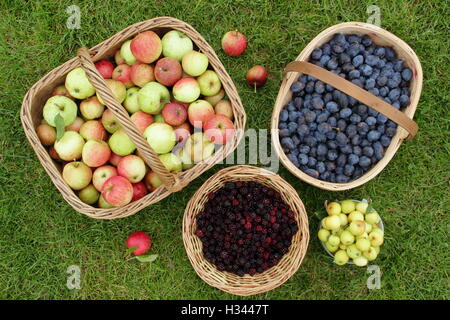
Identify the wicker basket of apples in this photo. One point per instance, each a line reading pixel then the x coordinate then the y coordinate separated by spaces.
pixel 345 105
pixel 133 119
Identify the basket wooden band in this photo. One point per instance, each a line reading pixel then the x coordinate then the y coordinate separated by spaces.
pixel 356 92
pixel 150 157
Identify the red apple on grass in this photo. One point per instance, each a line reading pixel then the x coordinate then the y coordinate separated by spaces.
pixel 61 90
pixel 142 120
pixel 117 191
pixel 146 46
pixel 75 125
pixel 122 73
pixel 219 129
pixel 141 241
pixel 139 191
pixel 199 112
pixel 224 107
pixel 96 153
pixel 168 71
pixel 174 113
pixel 186 90
pixel 47 134
pixel 114 159
pixel 105 68
pixel 131 167
pixel 234 43
pixel 152 181
pixel 77 175
pixel 93 130
pixel 91 108
pixel 256 76
pixel 101 174
pixel 141 74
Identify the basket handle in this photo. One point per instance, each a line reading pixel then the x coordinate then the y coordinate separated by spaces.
pixel 356 92
pixel 150 157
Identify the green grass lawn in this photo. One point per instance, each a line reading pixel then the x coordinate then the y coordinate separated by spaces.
pixel 41 235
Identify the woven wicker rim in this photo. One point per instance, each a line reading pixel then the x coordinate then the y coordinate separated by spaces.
pixel 262 282
pixel 31 115
pixel 381 37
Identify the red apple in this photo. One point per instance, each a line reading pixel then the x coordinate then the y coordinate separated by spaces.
pixel 168 71
pixel 142 120
pixel 101 174
pixel 256 76
pixel 61 91
pixel 53 154
pixel 122 73
pixel 152 181
pixel 234 43
pixel 219 129
pixel 141 74
pixel 224 107
pixel 75 125
pixel 46 134
pixel 182 132
pixel 146 46
pixel 93 130
pixel 96 153
pixel 141 241
pixel 105 68
pixel 131 167
pixel 174 113
pixel 199 112
pixel 139 191
pixel 114 159
pixel 118 58
pixel 117 191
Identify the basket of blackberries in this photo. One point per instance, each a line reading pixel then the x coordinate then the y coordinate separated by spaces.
pixel 245 230
pixel 345 105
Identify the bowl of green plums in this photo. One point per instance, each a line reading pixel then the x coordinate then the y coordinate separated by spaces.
pixel 352 233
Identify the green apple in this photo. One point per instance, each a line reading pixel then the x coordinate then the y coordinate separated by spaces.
pixel 171 162
pixel 175 44
pixel 127 55
pixel 323 235
pixel 209 83
pixel 343 218
pixel 362 206
pixel 61 105
pixel 103 204
pixel 110 122
pixel 194 63
pixel 357 228
pixel 152 97
pixel 376 238
pixel 360 261
pixel 78 85
pixel 369 227
pixel 213 100
pixel 363 244
pixel 70 146
pixel 353 252
pixel 161 137
pixel 342 246
pixel 334 240
pixel 77 175
pixel 333 208
pixel 121 144
pixel 347 238
pixel 370 254
pixel 330 247
pixel 341 257
pixel 131 100
pixel 332 222
pixel 372 218
pixel 348 206
pixel 199 147
pixel 355 216
pixel 89 194
pixel 186 90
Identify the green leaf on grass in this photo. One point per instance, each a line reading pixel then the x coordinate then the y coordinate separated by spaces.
pixel 59 123
pixel 129 251
pixel 147 258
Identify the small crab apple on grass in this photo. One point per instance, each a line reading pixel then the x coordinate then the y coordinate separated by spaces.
pixel 256 76
pixel 139 243
pixel 234 43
